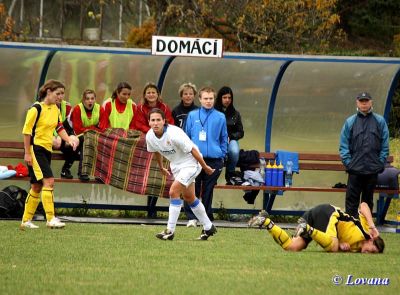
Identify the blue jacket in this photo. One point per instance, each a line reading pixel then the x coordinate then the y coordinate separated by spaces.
pixel 214 124
pixel 364 143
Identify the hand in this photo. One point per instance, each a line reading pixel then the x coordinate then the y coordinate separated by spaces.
pixel 28 159
pixel 208 170
pixel 165 171
pixel 373 232
pixel 73 141
pixel 344 247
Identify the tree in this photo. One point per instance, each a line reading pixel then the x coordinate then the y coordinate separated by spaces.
pixel 252 25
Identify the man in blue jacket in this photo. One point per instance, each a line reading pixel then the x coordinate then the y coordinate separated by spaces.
pixel 206 127
pixel 364 147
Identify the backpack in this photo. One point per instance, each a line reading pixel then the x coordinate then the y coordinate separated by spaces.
pixel 12 202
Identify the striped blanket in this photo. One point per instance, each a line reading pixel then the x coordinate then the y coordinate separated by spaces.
pixel 120 158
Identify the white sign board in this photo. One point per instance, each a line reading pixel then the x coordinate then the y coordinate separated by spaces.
pixel 182 46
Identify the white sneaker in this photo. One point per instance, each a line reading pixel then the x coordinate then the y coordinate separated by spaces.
pixel 27 224
pixel 55 223
pixel 192 223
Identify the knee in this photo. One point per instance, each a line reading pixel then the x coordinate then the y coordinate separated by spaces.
pixel 48 182
pixel 36 187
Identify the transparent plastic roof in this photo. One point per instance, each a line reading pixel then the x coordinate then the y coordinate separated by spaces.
pixel 305 99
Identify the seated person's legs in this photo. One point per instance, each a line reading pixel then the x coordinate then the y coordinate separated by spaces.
pixel 233 158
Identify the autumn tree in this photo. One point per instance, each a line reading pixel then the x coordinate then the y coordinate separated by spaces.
pixel 252 25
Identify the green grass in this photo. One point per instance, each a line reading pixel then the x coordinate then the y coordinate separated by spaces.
pixel 128 259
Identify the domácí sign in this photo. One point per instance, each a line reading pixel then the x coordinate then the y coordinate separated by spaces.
pixel 182 46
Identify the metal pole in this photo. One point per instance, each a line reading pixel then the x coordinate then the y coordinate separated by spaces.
pixel 41 20
pixel 21 14
pixel 140 12
pixel 120 21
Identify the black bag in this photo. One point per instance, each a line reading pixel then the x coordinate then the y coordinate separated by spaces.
pixel 12 202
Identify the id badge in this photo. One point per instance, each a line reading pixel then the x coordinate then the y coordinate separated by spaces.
pixel 202 135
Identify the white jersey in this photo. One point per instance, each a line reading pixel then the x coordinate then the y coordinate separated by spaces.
pixel 174 145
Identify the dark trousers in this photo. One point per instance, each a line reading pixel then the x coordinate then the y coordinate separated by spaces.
pixel 360 186
pixel 205 187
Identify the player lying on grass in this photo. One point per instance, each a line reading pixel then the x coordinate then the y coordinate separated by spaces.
pixel 186 163
pixel 330 227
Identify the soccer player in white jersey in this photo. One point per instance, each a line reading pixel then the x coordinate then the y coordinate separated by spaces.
pixel 186 163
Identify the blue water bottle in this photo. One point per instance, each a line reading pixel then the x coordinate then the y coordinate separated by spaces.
pixel 268 175
pixel 280 174
pixel 289 173
pixel 274 174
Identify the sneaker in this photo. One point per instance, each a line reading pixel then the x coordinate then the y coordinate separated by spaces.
pixel 27 224
pixel 258 220
pixel 66 173
pixel 166 234
pixel 302 230
pixel 192 223
pixel 84 177
pixel 55 223
pixel 205 234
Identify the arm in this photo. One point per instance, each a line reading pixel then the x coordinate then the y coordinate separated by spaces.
pixel 141 121
pixel 344 150
pixel 364 210
pixel 384 143
pixel 160 164
pixel 196 154
pixel 77 120
pixel 132 125
pixel 27 148
pixel 107 112
pixel 239 132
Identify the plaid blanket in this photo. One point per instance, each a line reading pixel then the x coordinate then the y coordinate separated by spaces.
pixel 119 158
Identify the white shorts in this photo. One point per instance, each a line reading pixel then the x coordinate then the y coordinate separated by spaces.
pixel 187 175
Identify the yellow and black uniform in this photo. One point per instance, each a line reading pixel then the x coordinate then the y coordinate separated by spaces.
pixel 337 224
pixel 41 120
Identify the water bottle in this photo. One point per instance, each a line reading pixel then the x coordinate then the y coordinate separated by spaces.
pixel 280 174
pixel 262 167
pixel 274 174
pixel 289 173
pixel 268 175
pixel 398 223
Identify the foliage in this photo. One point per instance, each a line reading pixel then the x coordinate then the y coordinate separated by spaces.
pixel 140 37
pixel 251 26
pixel 7 23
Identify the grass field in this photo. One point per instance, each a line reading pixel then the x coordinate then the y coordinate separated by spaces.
pixel 128 259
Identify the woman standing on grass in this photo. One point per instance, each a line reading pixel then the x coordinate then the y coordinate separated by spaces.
pixel 41 120
pixel 186 162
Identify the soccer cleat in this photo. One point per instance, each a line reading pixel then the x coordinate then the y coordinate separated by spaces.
pixel 27 224
pixel 192 223
pixel 205 234
pixel 302 229
pixel 259 219
pixel 55 223
pixel 66 173
pixel 166 234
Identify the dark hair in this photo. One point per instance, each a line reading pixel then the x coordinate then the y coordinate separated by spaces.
pixel 151 85
pixel 380 244
pixel 157 111
pixel 51 85
pixel 218 101
pixel 120 86
pixel 87 91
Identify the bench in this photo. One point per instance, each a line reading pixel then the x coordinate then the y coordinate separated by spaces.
pixel 316 162
pixel 307 161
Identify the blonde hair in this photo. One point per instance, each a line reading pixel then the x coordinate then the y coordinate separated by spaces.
pixel 187 85
pixel 206 89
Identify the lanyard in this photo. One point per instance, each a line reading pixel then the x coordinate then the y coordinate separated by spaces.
pixel 202 124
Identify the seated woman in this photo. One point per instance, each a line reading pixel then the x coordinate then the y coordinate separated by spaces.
pixel 151 99
pixel 87 115
pixel 187 93
pixel 224 104
pixel 120 111
pixel 70 155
